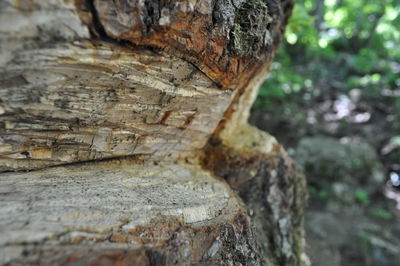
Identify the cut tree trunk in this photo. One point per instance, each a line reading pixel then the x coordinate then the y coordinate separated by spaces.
pixel 141 108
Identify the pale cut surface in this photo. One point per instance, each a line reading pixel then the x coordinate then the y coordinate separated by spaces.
pixel 133 102
pixel 65 98
pixel 96 201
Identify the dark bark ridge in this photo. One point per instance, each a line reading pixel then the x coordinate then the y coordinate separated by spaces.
pixel 274 192
pixel 228 40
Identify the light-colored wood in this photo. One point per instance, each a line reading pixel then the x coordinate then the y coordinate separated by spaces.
pixel 65 101
pixel 141 108
pixel 66 98
pixel 92 100
pixel 101 202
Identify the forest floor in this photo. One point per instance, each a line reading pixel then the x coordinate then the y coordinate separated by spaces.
pixel 348 148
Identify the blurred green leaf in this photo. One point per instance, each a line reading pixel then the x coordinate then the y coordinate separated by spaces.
pixel 362 196
pixel 382 214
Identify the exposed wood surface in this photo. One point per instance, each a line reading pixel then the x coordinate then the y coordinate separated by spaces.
pixel 94 209
pixel 67 101
pixel 147 102
pixel 92 100
pixel 66 98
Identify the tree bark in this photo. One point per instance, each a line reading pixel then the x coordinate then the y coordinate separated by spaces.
pixel 147 101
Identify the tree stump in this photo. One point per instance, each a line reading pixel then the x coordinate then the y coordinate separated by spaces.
pixel 124 137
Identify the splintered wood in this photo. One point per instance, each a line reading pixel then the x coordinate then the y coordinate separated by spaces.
pixel 142 108
pixel 67 98
pixel 86 101
pixel 65 102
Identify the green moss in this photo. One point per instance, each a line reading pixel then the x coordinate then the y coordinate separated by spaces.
pixel 250 35
pixel 298 246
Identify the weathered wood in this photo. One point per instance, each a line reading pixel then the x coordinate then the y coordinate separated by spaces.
pixel 273 190
pixel 161 90
pixel 65 99
pixel 99 101
pixel 257 167
pixel 135 212
pixel 86 213
pixel 83 100
pixel 227 40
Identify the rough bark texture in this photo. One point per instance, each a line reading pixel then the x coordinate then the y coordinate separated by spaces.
pixel 227 40
pixel 274 193
pixel 160 91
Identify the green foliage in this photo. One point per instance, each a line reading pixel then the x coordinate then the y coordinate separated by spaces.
pixel 362 196
pixel 353 43
pixel 301 25
pixel 319 193
pixel 381 214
